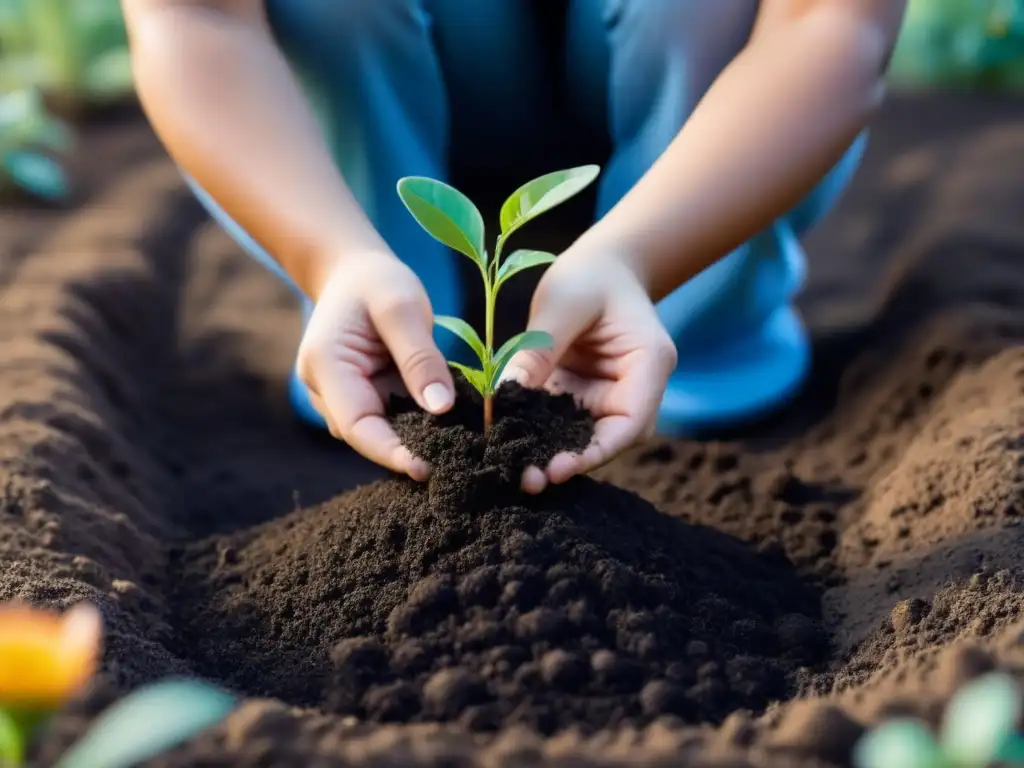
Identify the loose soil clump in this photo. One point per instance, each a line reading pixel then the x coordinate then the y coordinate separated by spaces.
pixel 465 600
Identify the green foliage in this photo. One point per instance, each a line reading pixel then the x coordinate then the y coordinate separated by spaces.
pixel 12 746
pixel 75 48
pixel 30 140
pixel 978 730
pixel 146 723
pixel 452 219
pixel 961 43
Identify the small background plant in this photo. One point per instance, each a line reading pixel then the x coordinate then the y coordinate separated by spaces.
pixel 46 658
pixel 454 220
pixel 979 729
pixel 32 142
pixel 76 51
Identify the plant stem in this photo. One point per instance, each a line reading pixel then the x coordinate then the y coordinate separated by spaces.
pixel 490 299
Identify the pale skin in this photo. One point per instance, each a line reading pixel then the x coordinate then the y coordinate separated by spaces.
pixel 810 79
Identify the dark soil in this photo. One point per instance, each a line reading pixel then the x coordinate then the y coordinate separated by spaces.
pixel 465 600
pixel 752 599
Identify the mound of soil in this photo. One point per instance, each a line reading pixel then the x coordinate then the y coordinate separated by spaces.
pixel 466 600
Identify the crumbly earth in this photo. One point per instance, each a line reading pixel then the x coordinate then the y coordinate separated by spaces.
pixel 750 599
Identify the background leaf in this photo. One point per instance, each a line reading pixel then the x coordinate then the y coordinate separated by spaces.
pixel 525 340
pixel 12 743
pixel 520 260
pixel 544 193
pixel 980 719
pixel 38 174
pixel 477 378
pixel 110 75
pixel 902 743
pixel 464 331
pixel 447 214
pixel 148 722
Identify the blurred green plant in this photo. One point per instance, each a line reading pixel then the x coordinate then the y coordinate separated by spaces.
pixel 978 730
pixel 31 142
pixel 75 50
pixel 961 43
pixel 47 658
pixel 148 722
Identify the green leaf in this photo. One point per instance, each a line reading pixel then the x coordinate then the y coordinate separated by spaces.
pixel 52 134
pixel 110 75
pixel 12 741
pixel 1012 752
pixel 148 722
pixel 464 331
pixel 542 194
pixel 903 743
pixel 447 214
pixel 521 260
pixel 519 342
pixel 477 378
pixel 38 174
pixel 980 719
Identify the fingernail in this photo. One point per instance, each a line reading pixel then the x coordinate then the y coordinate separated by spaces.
pixel 513 373
pixel 437 397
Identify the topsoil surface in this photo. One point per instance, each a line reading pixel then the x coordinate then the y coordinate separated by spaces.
pixel 750 599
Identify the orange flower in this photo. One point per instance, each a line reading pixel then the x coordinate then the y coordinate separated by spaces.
pixel 45 658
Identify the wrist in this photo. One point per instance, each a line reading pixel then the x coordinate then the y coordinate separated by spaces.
pixel 321 266
pixel 602 252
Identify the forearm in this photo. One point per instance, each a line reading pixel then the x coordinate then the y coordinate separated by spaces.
pixel 224 102
pixel 777 119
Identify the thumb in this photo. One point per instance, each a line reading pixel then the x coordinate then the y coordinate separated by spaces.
pixel 406 329
pixel 565 323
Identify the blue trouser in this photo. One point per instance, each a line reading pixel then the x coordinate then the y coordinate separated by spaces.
pixel 387 77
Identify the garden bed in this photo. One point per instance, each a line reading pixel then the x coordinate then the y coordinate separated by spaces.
pixel 755 599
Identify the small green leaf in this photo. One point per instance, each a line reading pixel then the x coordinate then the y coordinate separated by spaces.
pixel 521 260
pixel 110 75
pixel 544 193
pixel 1012 752
pixel 51 133
pixel 146 723
pixel 447 214
pixel 903 743
pixel 38 174
pixel 12 741
pixel 473 376
pixel 525 340
pixel 980 719
pixel 464 331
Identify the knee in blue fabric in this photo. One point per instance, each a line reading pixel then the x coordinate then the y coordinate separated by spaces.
pixel 743 348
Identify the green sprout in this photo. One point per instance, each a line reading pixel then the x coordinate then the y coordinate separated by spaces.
pixel 29 139
pixel 451 218
pixel 978 730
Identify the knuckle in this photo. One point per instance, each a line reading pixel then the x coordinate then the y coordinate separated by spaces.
pixel 418 360
pixel 399 304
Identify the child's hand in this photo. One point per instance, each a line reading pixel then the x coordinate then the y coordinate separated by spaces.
pixel 371 317
pixel 611 351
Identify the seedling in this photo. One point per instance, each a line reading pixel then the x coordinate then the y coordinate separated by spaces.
pixel 452 218
pixel 978 730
